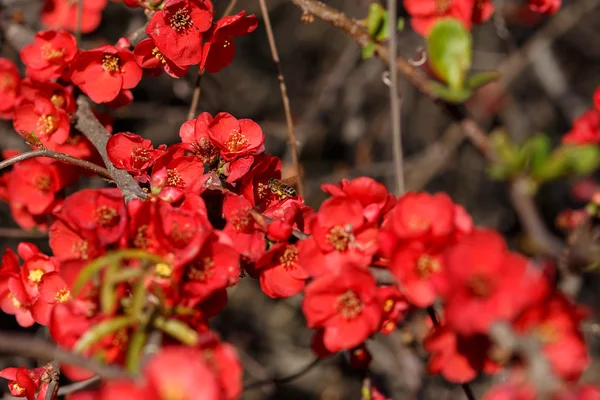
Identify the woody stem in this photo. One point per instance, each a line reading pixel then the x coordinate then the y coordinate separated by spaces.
pixel 57 156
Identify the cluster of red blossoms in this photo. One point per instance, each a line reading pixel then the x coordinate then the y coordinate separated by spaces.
pixel 586 128
pixel 216 211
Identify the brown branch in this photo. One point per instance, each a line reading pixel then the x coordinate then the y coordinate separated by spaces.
pixel 137 36
pixel 52 373
pixel 352 28
pixel 18 36
pixel 92 129
pixel 395 101
pixel 196 96
pixel 284 96
pixel 33 347
pixel 78 386
pixel 230 7
pixel 57 156
pixel 16 233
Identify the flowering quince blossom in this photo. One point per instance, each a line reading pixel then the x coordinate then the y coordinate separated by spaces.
pixel 585 129
pixel 178 28
pixel 345 305
pixel 103 72
pixel 150 58
pixel 50 124
pixel 62 14
pixel 49 55
pixel 218 51
pixel 132 153
pixel 10 81
pixel 425 13
pixel 23 382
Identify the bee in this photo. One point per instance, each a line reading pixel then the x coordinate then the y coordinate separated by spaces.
pixel 281 189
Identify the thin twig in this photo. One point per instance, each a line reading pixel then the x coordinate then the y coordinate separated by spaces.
pixel 31 346
pixel 92 129
pixel 78 22
pixel 281 381
pixel 196 96
pixel 138 35
pixel 395 102
pixel 230 7
pixel 17 233
pixel 57 156
pixel 53 374
pixel 284 96
pixel 78 386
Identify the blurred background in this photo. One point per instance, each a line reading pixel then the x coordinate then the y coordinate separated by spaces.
pixel 340 105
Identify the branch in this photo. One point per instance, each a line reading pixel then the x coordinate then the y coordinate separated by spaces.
pixel 284 96
pixel 57 156
pixel 33 347
pixel 78 386
pixel 92 129
pixel 52 374
pixel 352 28
pixel 395 101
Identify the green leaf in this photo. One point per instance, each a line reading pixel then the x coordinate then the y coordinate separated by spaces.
pixel 135 349
pixel 368 51
pixel 481 79
pixel 536 151
pixel 100 331
pixel 510 159
pixel 449 50
pixel 178 330
pixel 108 295
pixel 584 160
pixel 449 95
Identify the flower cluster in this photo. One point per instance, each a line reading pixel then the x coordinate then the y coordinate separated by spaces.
pixel 216 210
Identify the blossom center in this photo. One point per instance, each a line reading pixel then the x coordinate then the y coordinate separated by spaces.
pixel 226 43
pixel 43 183
pixel 14 300
pixel 173 177
pixel 480 286
pixel 201 270
pixel 140 155
pixel 181 20
pixel 141 237
pixel 164 270
pixel 241 220
pixel 547 333
pixel 106 216
pixel 35 275
pixel 58 100
pixel 181 235
pixel 340 237
pixel 442 6
pixel 80 249
pixel 47 124
pixel 63 295
pixel 158 55
pixel 349 305
pixel 111 63
pixel 289 258
pixel 427 265
pixel 50 53
pixel 236 142
pixel 15 388
pixel 7 82
pixel 205 150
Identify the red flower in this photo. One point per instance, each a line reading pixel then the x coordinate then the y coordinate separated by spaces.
pixel 555 322
pixel 216 267
pixel 372 195
pixel 41 117
pixel 486 282
pixel 425 13
pixel 23 382
pixel 546 7
pixel 10 82
pixel 52 289
pixel 236 138
pixel 241 228
pixel 280 274
pixel 185 173
pixel 222 359
pixel 255 187
pixel 345 305
pixel 458 358
pixel 49 55
pixel 218 51
pixel 177 29
pixel 585 129
pixel 195 133
pixel 35 266
pixel 62 14
pixel 103 72
pixel 60 96
pixel 181 373
pixel 132 153
pixel 394 306
pixel 149 57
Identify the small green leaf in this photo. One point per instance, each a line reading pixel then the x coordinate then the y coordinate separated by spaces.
pixel 449 49
pixel 536 151
pixel 449 95
pixel 481 79
pixel 135 349
pixel 584 160
pixel 178 330
pixel 368 51
pixel 100 331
